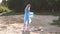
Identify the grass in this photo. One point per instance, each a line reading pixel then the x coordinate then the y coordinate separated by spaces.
pixel 48 13
pixel 56 22
pixel 11 13
pixel 57 13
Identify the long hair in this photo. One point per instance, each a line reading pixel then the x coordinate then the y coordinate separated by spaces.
pixel 28 7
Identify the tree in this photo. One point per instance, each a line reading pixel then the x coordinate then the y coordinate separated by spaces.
pixel 4 2
pixel 54 4
pixel 17 5
pixel 37 5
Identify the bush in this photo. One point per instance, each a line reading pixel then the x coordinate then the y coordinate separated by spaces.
pixel 3 9
pixel 12 13
pixel 56 22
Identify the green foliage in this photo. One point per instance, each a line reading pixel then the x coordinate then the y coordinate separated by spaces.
pixel 4 9
pixel 56 22
pixel 17 5
pixel 11 13
pixel 36 5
